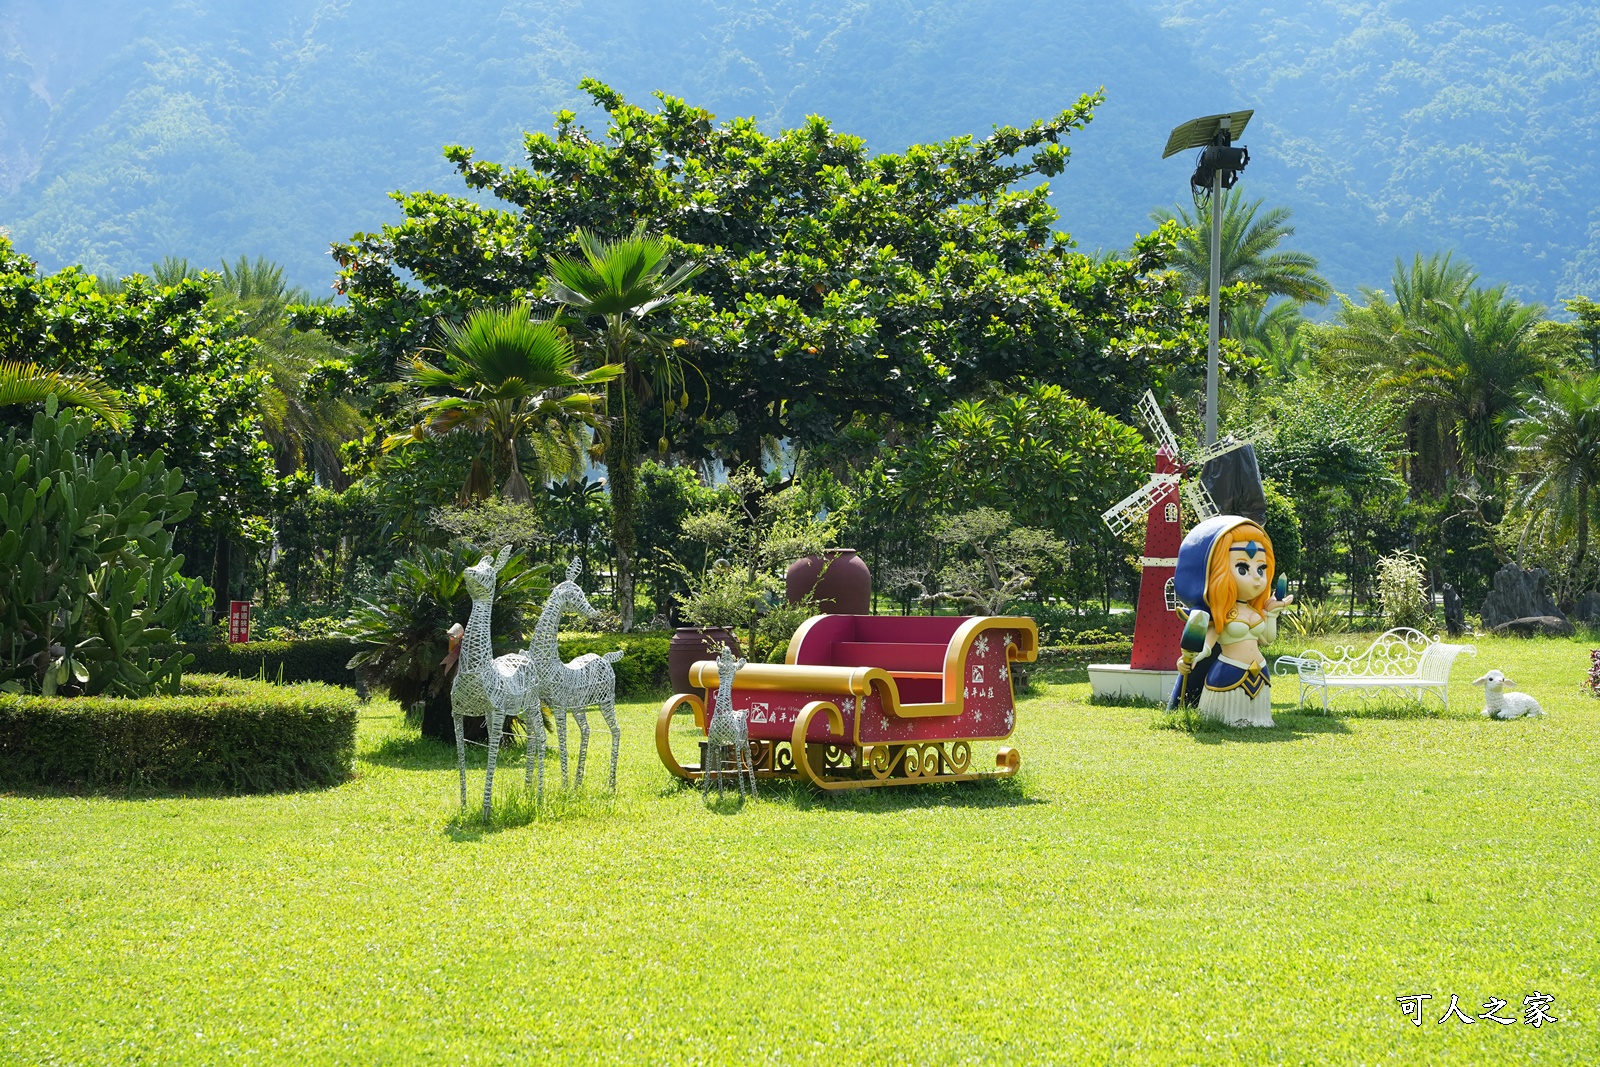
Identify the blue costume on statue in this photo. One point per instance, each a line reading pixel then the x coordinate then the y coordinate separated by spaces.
pixel 1223 688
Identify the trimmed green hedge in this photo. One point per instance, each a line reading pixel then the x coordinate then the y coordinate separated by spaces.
pixel 1114 651
pixel 642 671
pixel 220 734
pixel 320 659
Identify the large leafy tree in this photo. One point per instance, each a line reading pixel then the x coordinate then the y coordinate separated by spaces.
pixel 835 282
pixel 306 410
pixel 1457 355
pixel 1046 458
pixel 187 377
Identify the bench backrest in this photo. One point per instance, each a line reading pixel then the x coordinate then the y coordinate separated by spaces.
pixel 1438 659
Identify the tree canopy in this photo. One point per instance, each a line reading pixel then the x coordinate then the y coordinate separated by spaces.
pixel 834 282
pixel 187 376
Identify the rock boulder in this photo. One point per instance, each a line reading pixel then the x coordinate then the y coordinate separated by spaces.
pixel 1520 594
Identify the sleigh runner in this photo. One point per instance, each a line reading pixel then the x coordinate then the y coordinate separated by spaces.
pixel 865 701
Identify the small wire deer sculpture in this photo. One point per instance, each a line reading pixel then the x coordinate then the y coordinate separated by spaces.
pixel 572 688
pixel 494 687
pixel 728 735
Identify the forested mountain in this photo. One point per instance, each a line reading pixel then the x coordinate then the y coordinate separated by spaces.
pixel 211 128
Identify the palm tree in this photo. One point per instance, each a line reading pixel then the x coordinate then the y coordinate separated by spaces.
pixel 305 417
pixel 1474 361
pixel 1272 335
pixel 1250 240
pixel 1559 434
pixel 1458 354
pixel 621 283
pixel 510 378
pixel 28 383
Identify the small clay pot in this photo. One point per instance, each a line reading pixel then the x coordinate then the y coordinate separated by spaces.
pixel 691 643
pixel 843 587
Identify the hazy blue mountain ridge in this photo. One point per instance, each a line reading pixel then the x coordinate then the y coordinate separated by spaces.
pixel 210 129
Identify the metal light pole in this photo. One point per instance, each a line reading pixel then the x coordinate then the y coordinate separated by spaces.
pixel 1215 330
pixel 1217 169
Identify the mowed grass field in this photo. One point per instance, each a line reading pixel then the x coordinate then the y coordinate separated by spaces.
pixel 1137 895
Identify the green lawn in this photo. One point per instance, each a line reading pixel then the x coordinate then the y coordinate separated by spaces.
pixel 1137 895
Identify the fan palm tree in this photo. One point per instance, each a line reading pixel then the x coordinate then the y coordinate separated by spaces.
pixel 1250 253
pixel 1558 434
pixel 28 383
pixel 621 283
pixel 508 378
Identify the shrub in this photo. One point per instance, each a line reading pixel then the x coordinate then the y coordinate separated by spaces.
pixel 642 670
pixel 1060 624
pixel 322 659
pixel 89 585
pixel 218 734
pixel 400 633
pixel 1401 592
pixel 1313 618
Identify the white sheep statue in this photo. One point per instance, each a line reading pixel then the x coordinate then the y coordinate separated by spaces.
pixel 1499 704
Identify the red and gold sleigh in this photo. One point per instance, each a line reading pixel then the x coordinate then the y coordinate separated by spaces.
pixel 872 700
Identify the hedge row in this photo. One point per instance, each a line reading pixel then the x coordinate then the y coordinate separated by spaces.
pixel 1114 651
pixel 642 671
pixel 220 734
pixel 320 659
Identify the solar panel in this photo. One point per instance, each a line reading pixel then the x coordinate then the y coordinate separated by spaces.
pixel 1197 133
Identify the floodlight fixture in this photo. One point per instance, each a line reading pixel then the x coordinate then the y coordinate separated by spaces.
pixel 1216 169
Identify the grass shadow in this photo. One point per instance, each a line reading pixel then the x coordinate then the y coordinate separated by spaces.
pixel 410 751
pixel 514 807
pixel 1287 726
pixel 1121 701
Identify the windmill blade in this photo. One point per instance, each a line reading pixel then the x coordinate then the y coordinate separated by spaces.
pixel 1151 412
pixel 1200 501
pixel 1135 505
pixel 1211 452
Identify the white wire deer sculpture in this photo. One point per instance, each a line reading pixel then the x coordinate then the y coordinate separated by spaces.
pixel 728 734
pixel 572 688
pixel 494 687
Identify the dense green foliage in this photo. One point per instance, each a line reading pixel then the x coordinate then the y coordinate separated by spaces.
pixel 89 585
pixel 836 283
pixel 641 672
pixel 217 734
pixel 318 659
pixel 186 374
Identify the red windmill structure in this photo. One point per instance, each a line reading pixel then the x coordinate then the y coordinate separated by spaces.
pixel 1150 672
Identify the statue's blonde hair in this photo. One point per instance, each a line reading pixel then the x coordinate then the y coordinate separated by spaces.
pixel 1222 591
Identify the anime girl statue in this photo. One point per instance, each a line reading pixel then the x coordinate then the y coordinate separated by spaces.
pixel 1225 568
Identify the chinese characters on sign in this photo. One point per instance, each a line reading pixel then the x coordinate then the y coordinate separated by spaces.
pixel 238 622
pixel 1535 1009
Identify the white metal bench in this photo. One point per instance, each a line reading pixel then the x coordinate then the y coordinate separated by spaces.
pixel 1403 659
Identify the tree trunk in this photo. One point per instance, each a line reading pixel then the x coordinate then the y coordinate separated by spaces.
pixel 621 455
pixel 1583 530
pixel 221 572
